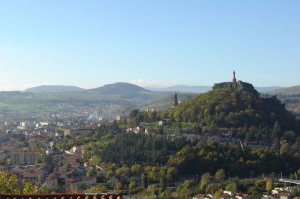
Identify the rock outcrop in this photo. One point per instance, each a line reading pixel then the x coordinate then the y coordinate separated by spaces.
pixel 242 86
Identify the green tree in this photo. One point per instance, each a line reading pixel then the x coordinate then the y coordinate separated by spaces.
pixel 153 174
pixel 211 188
pixel 123 171
pixel 99 188
pixel 152 191
pixel 132 184
pixel 171 174
pixel 204 182
pixel 184 191
pixel 269 185
pixel 136 169
pixel 9 184
pixel 276 129
pixel 218 194
pixel 166 194
pixel 29 188
pixel 220 175
pixel 232 187
pixel 134 113
pixel 91 172
pixel 96 160
pixel 284 147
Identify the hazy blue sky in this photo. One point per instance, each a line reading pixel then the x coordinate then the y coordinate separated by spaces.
pixel 89 43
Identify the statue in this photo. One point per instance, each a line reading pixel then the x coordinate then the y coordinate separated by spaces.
pixel 234 79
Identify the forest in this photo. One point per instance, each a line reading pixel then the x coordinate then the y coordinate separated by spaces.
pixel 243 143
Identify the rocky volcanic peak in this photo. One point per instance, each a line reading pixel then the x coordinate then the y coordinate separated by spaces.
pixel 241 86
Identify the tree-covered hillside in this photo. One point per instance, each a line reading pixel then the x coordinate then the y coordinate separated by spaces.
pixel 233 108
pixel 227 132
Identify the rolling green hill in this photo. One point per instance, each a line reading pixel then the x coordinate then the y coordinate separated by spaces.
pixel 119 88
pixel 290 97
pixel 286 91
pixel 53 89
pixel 229 107
pixel 125 96
pixel 231 127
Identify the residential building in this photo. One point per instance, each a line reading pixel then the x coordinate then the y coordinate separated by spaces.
pixel 24 158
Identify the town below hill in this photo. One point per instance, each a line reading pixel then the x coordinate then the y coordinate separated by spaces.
pixel 231 141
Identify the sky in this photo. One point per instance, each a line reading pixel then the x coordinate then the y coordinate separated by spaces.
pixel 151 43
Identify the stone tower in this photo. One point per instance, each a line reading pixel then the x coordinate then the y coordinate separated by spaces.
pixel 175 100
pixel 236 85
pixel 233 79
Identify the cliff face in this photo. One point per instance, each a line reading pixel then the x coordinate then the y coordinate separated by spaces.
pixel 241 86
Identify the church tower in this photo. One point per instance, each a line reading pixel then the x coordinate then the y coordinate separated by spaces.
pixel 234 79
pixel 175 100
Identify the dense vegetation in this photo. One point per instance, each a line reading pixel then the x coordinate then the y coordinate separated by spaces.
pixel 233 108
pixel 212 155
pixel 290 96
pixel 240 135
pixel 156 162
pixel 10 184
pixel 131 147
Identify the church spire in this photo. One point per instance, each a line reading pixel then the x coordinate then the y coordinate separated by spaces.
pixel 175 100
pixel 234 79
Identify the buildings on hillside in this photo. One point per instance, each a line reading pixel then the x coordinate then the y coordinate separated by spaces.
pixel 24 158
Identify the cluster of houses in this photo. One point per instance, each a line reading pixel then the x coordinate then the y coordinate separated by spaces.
pixel 27 150
pixel 223 195
pixel 70 170
pixel 65 170
pixel 277 193
pixel 280 193
pixel 294 107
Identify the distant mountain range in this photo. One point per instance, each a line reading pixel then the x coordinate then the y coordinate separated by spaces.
pixel 119 88
pixel 267 89
pixel 108 101
pixel 286 91
pixel 204 89
pixel 127 88
pixel 124 96
pixel 122 87
pixel 116 88
pixel 53 89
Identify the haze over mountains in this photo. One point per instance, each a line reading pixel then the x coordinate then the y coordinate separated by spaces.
pixel 109 100
pixel 204 89
pixel 124 96
pixel 53 89
pixel 286 91
pixel 121 87
pixel 183 88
